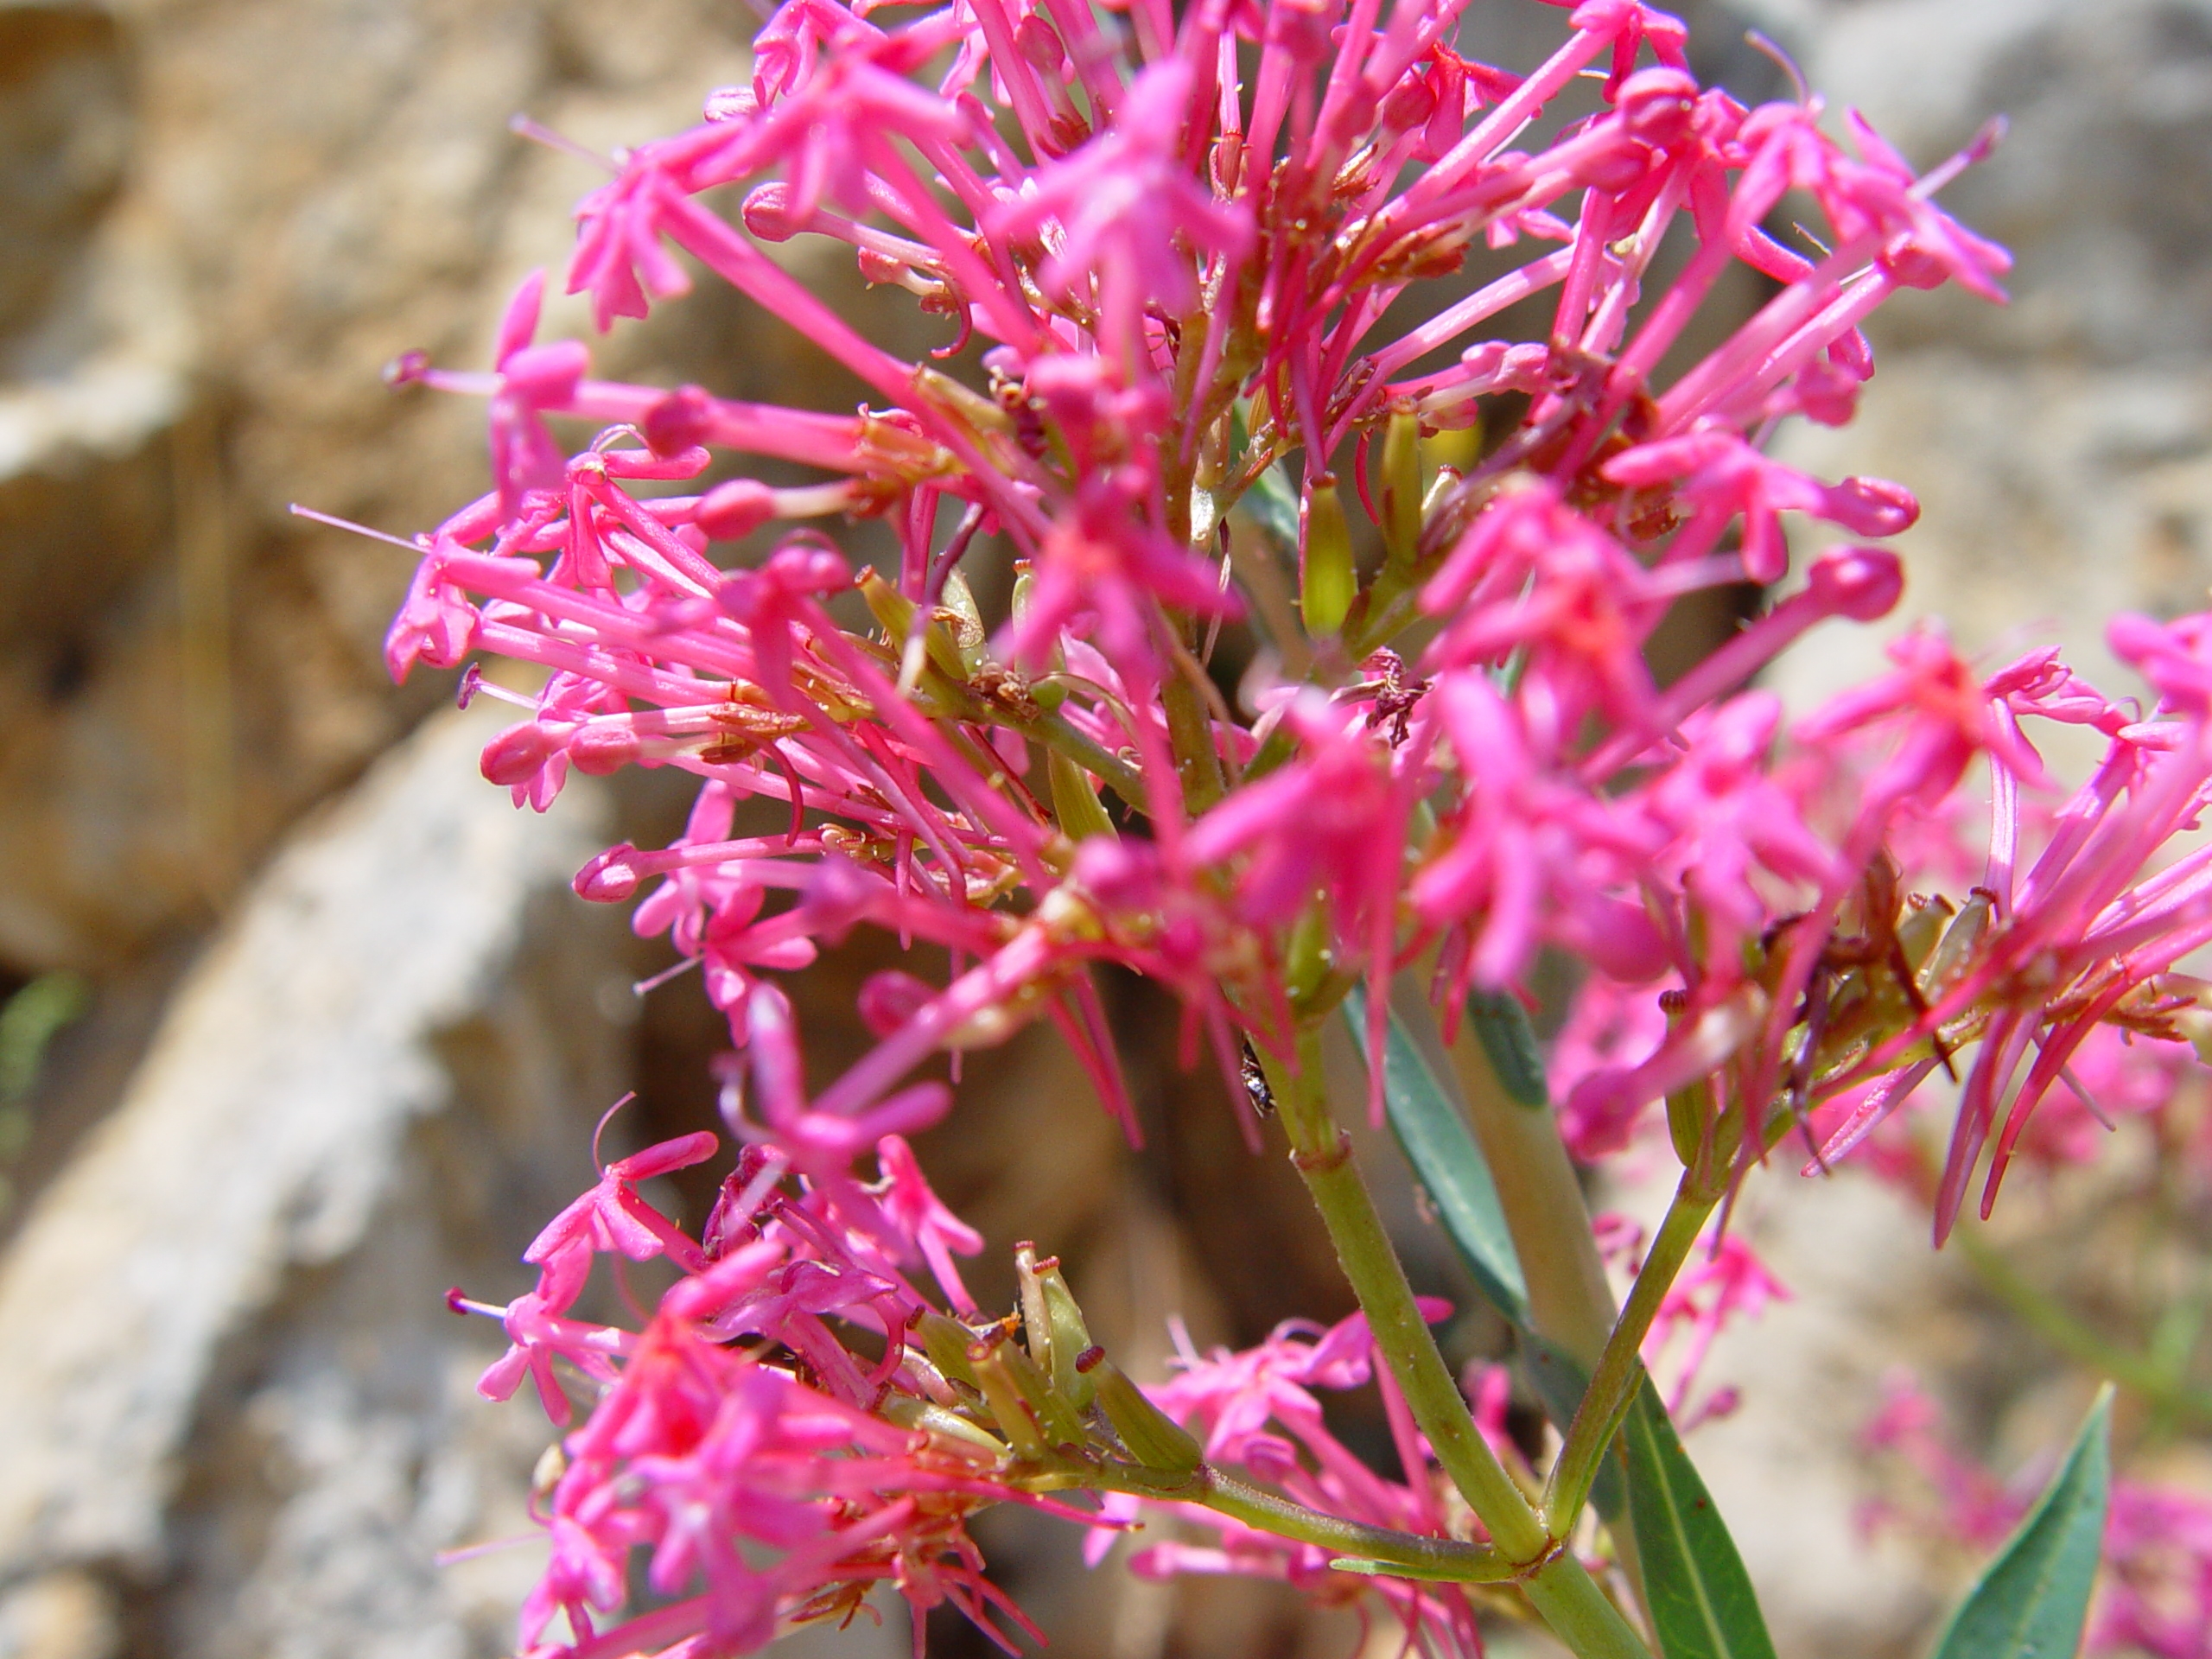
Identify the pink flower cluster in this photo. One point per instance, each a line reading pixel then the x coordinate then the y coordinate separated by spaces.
pixel 1169 251
pixel 787 1490
pixel 1258 1411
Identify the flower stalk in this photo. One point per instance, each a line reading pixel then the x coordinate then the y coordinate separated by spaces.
pixel 1578 1612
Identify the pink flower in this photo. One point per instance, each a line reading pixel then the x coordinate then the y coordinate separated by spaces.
pixel 1257 1410
pixel 1719 1286
pixel 918 1214
pixel 1610 1028
pixel 1129 214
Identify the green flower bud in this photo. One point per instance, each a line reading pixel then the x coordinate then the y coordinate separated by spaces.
pixel 1153 1438
pixel 1074 804
pixel 1326 580
pixel 1402 488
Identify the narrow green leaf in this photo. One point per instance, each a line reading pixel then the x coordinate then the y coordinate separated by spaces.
pixel 1701 1600
pixel 1511 1041
pixel 2033 1599
pixel 1447 1163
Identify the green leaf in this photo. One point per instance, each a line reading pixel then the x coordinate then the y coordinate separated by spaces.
pixel 2034 1598
pixel 1701 1600
pixel 1447 1163
pixel 1511 1041
pixel 29 1021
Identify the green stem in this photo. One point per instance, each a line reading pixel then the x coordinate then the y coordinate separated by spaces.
pixel 1619 1371
pixel 1189 730
pixel 2145 1375
pixel 1570 1304
pixel 1446 1560
pixel 1054 732
pixel 1576 1609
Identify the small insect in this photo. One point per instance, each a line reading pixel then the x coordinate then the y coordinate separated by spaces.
pixel 1256 1082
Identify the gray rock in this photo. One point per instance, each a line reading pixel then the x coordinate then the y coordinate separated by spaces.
pixel 240 1271
pixel 2103 186
pixel 58 1615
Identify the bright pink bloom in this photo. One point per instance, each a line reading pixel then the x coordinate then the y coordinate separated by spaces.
pixel 1719 1286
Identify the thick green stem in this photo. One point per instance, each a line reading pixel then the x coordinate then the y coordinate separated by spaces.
pixel 1579 1612
pixel 1619 1371
pixel 1576 1609
pixel 1570 1304
pixel 1323 1155
pixel 1189 730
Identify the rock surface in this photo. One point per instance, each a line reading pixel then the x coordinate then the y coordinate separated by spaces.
pixel 231 1364
pixel 223 221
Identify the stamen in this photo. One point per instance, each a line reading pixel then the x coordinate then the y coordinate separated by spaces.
pixel 522 127
pixel 418 547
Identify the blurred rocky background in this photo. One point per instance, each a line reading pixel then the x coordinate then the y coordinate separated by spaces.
pixel 299 1024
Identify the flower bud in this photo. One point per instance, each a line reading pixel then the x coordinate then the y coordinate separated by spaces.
pixel 1014 1416
pixel 1862 583
pixel 1075 802
pixel 889 998
pixel 946 1342
pixel 610 878
pixel 1402 488
pixel 1326 579
pixel 1871 506
pixel 1153 1438
pixel 730 104
pixel 1656 104
pixel 1956 948
pixel 1308 958
pixel 406 369
pixel 767 213
pixel 1407 104
pixel 1687 1110
pixel 1035 1420
pixel 516 755
pixel 679 421
pixel 964 623
pixel 1034 39
pixel 597 750
pixel 894 614
pixel 737 508
pixel 1070 1340
pixel 546 374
